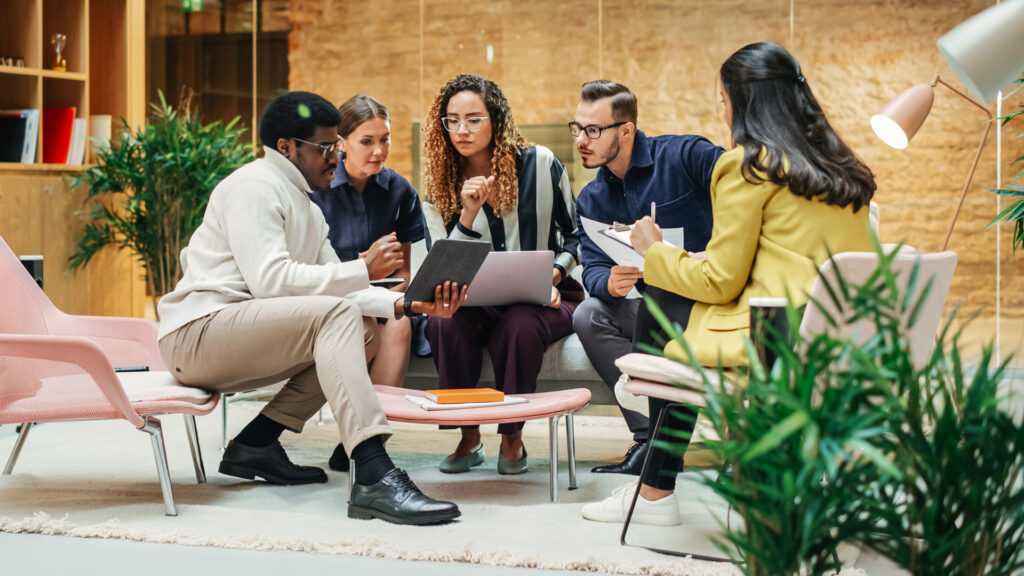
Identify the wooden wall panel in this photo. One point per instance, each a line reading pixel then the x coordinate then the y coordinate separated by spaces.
pixel 38 216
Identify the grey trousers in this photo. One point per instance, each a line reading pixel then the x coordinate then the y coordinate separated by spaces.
pixel 319 344
pixel 606 331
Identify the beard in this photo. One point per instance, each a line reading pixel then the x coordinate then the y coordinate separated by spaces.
pixel 612 154
pixel 313 172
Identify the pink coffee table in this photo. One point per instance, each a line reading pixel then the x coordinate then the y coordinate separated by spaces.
pixel 550 405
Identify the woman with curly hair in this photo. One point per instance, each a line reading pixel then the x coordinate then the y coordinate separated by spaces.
pixel 485 183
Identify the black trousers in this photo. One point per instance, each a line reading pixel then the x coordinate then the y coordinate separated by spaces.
pixel 665 464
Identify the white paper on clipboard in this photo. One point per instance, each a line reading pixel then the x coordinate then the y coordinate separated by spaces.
pixel 618 250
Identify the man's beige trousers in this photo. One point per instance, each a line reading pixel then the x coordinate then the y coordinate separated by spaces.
pixel 319 344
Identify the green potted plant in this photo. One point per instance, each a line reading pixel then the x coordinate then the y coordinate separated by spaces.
pixel 148 190
pixel 1014 213
pixel 848 442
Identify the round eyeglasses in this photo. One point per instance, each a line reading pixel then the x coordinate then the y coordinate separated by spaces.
pixel 593 132
pixel 325 149
pixel 473 124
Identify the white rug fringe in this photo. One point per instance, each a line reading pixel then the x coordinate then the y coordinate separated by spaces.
pixel 42 523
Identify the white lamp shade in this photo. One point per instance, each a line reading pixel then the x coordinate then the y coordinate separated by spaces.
pixel 900 120
pixel 987 51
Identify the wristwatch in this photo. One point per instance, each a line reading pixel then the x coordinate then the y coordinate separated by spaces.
pixel 407 307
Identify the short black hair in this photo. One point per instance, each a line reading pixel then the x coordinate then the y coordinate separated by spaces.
pixel 296 115
pixel 623 101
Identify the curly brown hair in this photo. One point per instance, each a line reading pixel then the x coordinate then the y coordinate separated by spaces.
pixel 441 166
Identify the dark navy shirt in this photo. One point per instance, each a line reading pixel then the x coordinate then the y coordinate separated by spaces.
pixel 672 171
pixel 355 221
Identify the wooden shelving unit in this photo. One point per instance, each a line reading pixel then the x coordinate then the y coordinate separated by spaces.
pixel 95 81
pixel 39 210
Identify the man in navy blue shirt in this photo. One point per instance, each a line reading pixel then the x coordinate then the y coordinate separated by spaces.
pixel 634 171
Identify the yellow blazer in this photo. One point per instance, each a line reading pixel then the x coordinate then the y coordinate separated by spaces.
pixel 765 240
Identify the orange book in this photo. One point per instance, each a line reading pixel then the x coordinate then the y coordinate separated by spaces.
pixel 465 395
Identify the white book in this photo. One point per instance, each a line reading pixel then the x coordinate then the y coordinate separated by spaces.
pixel 31 115
pixel 76 153
pixel 428 404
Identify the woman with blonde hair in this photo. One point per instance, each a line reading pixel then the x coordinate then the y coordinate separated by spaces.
pixel 485 183
pixel 373 214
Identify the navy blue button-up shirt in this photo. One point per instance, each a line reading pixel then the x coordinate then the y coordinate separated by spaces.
pixel 672 171
pixel 388 204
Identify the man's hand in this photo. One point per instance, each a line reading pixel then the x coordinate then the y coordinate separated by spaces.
pixel 556 298
pixel 645 232
pixel 384 257
pixel 447 299
pixel 622 279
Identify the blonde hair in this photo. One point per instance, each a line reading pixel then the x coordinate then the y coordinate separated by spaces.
pixel 441 165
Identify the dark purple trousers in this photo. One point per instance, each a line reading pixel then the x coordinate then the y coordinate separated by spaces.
pixel 516 337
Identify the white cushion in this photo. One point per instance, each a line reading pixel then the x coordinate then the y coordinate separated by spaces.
pixel 159 385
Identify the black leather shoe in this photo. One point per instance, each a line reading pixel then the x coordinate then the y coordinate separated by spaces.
pixel 396 499
pixel 631 464
pixel 268 462
pixel 339 460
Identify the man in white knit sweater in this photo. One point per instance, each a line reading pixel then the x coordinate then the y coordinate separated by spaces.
pixel 265 299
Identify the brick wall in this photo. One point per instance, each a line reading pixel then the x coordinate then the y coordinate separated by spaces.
pixel 855 55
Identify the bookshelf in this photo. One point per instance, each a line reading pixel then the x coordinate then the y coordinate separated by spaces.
pixel 39 210
pixel 97 78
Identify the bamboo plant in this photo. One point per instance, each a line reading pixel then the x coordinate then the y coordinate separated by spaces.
pixel 149 189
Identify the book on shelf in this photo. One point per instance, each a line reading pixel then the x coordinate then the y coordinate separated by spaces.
pixel 76 152
pixel 465 395
pixel 428 404
pixel 10 128
pixel 12 137
pixel 58 128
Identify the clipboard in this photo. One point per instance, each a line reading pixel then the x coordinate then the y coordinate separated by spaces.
pixel 455 260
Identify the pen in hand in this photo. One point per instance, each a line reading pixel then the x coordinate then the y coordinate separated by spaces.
pixel 653 213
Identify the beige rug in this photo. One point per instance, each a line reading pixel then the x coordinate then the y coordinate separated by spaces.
pixel 97 480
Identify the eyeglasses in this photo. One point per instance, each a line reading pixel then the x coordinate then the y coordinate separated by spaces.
pixel 473 124
pixel 325 149
pixel 592 132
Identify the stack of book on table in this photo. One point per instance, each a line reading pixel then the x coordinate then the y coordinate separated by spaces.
pixel 455 398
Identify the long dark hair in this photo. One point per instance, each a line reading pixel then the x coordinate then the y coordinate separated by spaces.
pixel 774 111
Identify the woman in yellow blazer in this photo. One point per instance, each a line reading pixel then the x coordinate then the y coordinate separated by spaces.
pixel 788 193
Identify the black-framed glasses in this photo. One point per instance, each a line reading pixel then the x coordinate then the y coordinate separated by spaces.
pixel 593 132
pixel 325 149
pixel 473 124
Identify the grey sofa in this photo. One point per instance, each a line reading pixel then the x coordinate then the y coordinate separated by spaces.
pixel 565 363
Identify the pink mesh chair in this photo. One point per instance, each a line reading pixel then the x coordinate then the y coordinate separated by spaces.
pixel 57 367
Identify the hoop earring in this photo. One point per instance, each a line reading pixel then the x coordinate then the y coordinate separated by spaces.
pixel 344 155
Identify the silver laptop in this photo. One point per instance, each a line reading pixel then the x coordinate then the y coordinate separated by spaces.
pixel 517 277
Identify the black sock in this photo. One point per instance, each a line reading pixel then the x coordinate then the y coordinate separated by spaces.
pixel 339 457
pixel 262 431
pixel 372 461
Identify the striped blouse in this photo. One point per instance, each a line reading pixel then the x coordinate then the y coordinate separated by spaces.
pixel 544 217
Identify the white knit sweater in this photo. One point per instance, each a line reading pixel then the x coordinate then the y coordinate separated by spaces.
pixel 261 237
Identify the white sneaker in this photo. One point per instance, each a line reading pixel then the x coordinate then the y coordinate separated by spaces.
pixel 664 512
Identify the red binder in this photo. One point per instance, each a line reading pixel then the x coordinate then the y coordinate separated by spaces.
pixel 58 124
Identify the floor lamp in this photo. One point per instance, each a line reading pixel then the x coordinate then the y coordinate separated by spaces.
pixel 987 53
